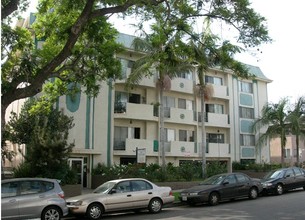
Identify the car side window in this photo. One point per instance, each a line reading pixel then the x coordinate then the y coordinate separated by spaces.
pixel 297 171
pixel 9 189
pixel 123 187
pixel 30 187
pixel 289 173
pixel 241 178
pixel 231 179
pixel 139 185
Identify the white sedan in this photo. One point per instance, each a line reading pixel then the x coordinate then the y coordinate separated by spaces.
pixel 121 195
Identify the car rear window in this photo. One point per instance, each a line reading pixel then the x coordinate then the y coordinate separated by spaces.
pixel 33 187
pixel 9 189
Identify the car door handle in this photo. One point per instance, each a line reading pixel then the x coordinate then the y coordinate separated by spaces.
pixel 12 201
pixel 128 195
pixel 150 193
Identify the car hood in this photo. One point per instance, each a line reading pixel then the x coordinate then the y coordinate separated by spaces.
pixel 85 196
pixel 199 188
pixel 269 180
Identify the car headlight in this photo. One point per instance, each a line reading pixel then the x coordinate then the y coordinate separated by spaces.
pixel 76 203
pixel 267 184
pixel 193 194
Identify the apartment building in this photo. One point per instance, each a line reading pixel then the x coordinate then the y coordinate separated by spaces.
pixel 121 127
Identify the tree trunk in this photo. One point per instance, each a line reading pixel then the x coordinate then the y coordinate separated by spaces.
pixel 162 130
pixel 203 142
pixel 297 146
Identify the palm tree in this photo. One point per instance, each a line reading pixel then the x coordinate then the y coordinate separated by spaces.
pixel 206 54
pixel 167 54
pixel 296 119
pixel 274 118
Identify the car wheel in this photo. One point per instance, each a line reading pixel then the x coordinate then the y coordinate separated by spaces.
pixel 155 205
pixel 95 211
pixel 279 189
pixel 253 193
pixel 214 198
pixel 51 213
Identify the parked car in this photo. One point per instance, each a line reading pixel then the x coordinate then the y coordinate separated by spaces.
pixel 222 187
pixel 285 179
pixel 25 198
pixel 119 195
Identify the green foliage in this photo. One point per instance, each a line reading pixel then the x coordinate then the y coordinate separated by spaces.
pixel 255 167
pixel 216 167
pixel 45 134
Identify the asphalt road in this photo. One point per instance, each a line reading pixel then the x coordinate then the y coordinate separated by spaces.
pixel 290 206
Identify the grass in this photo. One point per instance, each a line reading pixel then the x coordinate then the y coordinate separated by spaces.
pixel 176 194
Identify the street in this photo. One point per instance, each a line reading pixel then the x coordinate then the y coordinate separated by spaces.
pixel 288 206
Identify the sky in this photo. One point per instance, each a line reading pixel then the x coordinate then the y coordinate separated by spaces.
pixel 282 60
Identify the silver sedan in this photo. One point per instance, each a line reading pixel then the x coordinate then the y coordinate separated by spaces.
pixel 121 195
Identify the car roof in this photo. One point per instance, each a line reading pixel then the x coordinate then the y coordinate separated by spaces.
pixel 29 178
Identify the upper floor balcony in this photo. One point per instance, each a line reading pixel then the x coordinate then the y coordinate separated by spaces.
pixel 215 119
pixel 182 85
pixel 220 91
pixel 216 150
pixel 178 115
pixel 129 146
pixel 134 111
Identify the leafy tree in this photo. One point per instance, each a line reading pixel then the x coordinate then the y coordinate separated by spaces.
pixel 274 119
pixel 296 119
pixel 167 51
pixel 45 135
pixel 80 42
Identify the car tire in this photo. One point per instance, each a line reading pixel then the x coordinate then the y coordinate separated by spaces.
pixel 95 211
pixel 155 205
pixel 253 193
pixel 279 190
pixel 51 212
pixel 214 198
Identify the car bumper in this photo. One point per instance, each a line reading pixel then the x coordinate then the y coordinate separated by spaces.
pixel 77 209
pixel 194 199
pixel 168 199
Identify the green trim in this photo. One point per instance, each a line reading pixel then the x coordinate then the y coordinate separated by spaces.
pixel 93 120
pixel 87 129
pixel 109 123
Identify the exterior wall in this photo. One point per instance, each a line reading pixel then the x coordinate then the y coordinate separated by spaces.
pixel 290 157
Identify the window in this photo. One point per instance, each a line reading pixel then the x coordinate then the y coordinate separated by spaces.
pixel 287 153
pixel 168 102
pixel 241 178
pixel 9 189
pixel 186 75
pixel 230 179
pixel 134 133
pixel 215 138
pixel 139 185
pixel 297 171
pixel 34 187
pixel 169 134
pixel 185 104
pixel 185 135
pixel 126 64
pixel 214 108
pixel 120 136
pixel 246 112
pixel 289 173
pixel 245 87
pixel 120 102
pixel 214 80
pixel 123 187
pixel 247 140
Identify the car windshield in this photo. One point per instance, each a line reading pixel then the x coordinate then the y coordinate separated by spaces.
pixel 104 188
pixel 274 174
pixel 214 180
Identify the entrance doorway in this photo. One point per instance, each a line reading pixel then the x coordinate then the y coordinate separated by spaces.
pixel 77 165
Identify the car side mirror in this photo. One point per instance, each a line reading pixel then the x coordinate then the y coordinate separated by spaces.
pixel 112 191
pixel 225 183
pixel 288 175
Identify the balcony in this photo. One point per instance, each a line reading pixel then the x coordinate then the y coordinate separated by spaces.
pixel 215 120
pixel 220 92
pixel 182 85
pixel 216 150
pixel 181 149
pixel 178 115
pixel 134 111
pixel 146 81
pixel 129 147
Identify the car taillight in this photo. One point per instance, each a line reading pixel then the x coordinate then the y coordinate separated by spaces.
pixel 61 195
pixel 170 193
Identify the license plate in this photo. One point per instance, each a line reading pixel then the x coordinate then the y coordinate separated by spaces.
pixel 184 198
